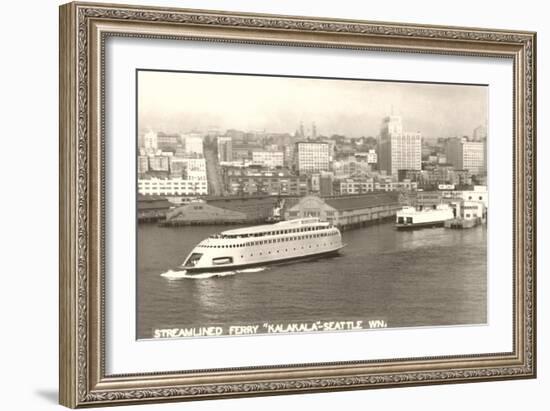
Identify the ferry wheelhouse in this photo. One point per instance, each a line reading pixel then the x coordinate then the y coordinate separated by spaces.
pixel 411 217
pixel 264 244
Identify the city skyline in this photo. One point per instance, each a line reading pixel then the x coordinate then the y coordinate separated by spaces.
pixel 177 102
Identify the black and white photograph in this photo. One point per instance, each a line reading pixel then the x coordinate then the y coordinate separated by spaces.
pixel 287 204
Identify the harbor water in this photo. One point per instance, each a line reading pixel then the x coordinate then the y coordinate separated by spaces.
pixel 426 277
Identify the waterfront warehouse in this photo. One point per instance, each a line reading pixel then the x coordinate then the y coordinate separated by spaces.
pixel 346 211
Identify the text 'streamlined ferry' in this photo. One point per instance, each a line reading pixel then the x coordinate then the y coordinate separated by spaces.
pixel 264 244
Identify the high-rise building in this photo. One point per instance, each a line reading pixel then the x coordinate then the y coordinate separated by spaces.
pixel 325 184
pixel 302 133
pixel 398 149
pixel 150 141
pixel 271 159
pixel 143 164
pixel 159 163
pixel 480 133
pixel 288 155
pixel 193 143
pixel 467 155
pixel 167 142
pixel 312 157
pixel 225 149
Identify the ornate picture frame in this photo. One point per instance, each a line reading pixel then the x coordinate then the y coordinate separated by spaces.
pixel 84 29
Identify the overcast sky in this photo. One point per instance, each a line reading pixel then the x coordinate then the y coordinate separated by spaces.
pixel 178 102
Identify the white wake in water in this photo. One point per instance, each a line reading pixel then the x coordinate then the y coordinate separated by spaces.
pixel 252 270
pixel 176 275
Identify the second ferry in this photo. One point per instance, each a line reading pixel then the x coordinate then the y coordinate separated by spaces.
pixel 411 217
pixel 264 244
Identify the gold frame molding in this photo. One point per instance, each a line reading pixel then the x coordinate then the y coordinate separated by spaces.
pixel 84 27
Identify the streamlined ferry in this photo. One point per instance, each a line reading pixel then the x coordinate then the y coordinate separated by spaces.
pixel 264 244
pixel 411 217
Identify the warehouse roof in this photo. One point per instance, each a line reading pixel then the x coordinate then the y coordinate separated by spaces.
pixel 359 201
pixel 153 203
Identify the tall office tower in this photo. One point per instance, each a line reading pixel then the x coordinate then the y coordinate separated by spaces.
pixel 398 149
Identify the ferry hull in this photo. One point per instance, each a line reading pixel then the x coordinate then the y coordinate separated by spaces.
pixel 230 267
pixel 413 226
